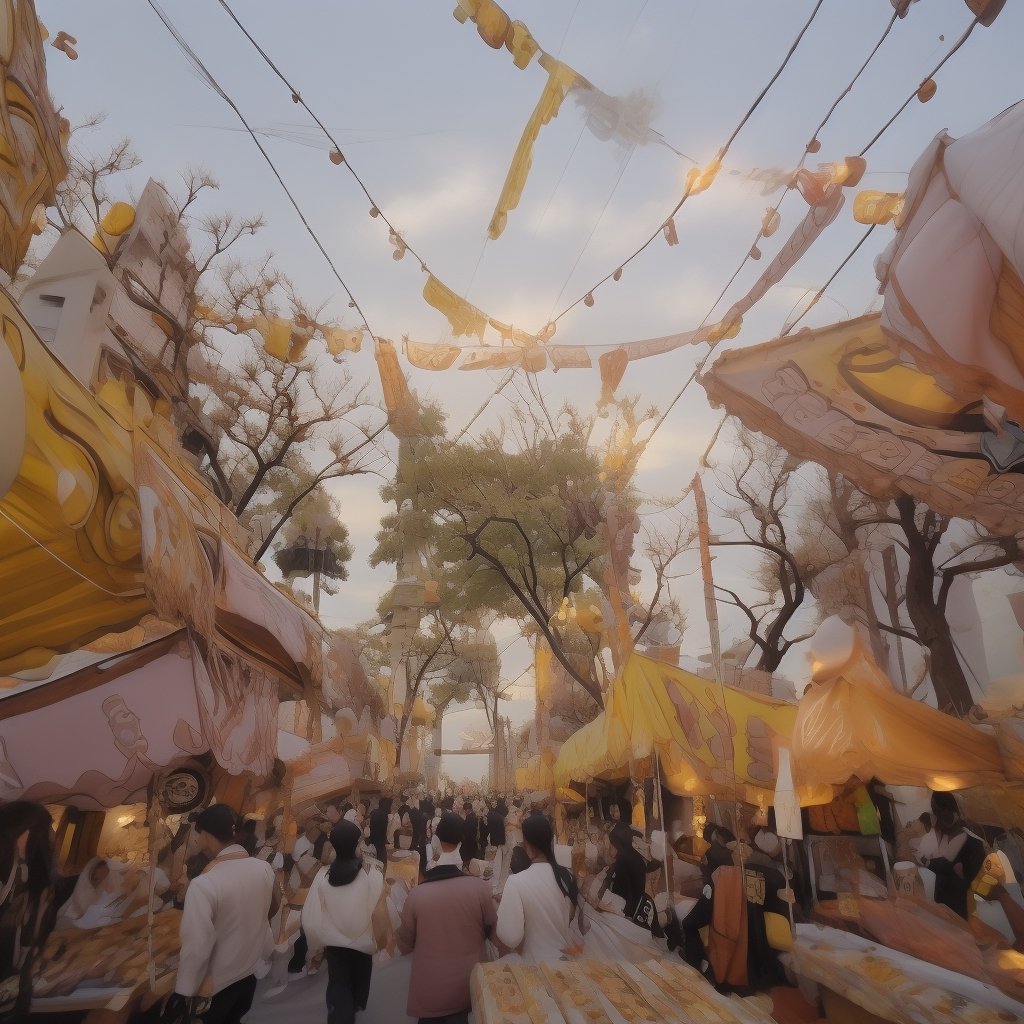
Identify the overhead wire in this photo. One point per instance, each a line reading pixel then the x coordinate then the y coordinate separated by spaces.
pixel 803 159
pixel 849 256
pixel 938 67
pixel 212 82
pixel 297 97
pixel 720 157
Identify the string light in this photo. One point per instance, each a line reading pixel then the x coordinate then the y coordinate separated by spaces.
pixel 212 82
pixel 698 180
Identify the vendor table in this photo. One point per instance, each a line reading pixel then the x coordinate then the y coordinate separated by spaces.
pixel 604 992
pixel 104 971
pixel 893 986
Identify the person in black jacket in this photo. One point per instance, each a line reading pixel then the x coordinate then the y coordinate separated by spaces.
pixel 379 819
pixel 627 875
pixel 470 835
pixel 485 828
pixel 403 814
pixel 496 823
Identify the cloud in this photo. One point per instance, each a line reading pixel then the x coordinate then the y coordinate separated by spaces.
pixel 465 193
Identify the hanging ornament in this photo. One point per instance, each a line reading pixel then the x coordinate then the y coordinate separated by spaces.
pixel 336 157
pixel 849 172
pixel 669 229
pixel 755 253
pixel 770 223
pixel 873 207
pixel 65 43
pixel 927 90
pixel 398 243
pixel 549 331
pixel 588 299
pixel 813 146
pixel 986 11
pixel 296 98
pixel 374 212
pixel 617 276
pixel 698 180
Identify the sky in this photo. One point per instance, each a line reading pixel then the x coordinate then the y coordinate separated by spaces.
pixel 429 117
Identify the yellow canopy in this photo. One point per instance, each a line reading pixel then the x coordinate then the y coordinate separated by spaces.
pixel 855 723
pixel 706 745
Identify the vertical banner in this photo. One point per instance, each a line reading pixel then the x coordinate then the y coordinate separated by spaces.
pixel 788 824
pixel 710 604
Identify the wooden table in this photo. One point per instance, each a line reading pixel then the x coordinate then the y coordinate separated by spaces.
pixel 667 991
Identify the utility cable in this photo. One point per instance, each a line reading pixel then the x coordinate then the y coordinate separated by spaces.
pixel 212 82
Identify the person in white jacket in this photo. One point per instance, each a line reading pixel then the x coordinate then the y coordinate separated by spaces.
pixel 225 926
pixel 538 906
pixel 338 921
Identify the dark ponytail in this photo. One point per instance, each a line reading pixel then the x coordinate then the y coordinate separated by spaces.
pixel 537 832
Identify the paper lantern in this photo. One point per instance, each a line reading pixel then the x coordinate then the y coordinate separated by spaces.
pixel 669 230
pixel 336 157
pixel 755 253
pixel 927 90
pixel 588 299
pixel 813 146
pixel 770 223
pixel 617 276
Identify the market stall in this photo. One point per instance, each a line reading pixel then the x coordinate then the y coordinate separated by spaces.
pixel 844 969
pixel 604 992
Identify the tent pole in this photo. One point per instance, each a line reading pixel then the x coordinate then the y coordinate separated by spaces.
pixel 664 829
pixel 789 885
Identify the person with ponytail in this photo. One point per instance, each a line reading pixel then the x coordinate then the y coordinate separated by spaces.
pixel 539 904
pixel 338 921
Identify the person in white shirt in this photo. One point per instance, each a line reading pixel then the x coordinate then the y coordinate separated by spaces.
pixel 338 921
pixel 539 904
pixel 225 927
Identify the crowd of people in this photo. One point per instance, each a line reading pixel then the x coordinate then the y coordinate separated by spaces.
pixel 447 881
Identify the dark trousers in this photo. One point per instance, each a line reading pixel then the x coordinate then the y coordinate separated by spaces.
pixel 699 917
pixel 298 960
pixel 452 1018
pixel 381 850
pixel 231 1004
pixel 348 983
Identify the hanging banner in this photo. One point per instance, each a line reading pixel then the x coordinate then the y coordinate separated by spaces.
pixel 561 81
pixel 788 823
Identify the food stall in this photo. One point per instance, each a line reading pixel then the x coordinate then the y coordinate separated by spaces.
pixel 605 992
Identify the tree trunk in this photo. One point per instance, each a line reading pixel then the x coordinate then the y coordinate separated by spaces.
pixel 952 691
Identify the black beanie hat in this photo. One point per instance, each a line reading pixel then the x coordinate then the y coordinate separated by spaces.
pixel 219 821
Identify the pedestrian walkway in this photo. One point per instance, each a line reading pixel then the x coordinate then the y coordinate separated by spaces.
pixel 304 1000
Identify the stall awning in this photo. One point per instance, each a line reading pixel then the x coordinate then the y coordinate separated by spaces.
pixel 70 562
pixel 706 744
pixel 855 724
pixel 130 716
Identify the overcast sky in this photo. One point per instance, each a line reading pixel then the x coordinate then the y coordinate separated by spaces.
pixel 430 116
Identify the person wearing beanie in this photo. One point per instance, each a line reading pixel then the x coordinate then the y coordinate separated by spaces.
pixel 225 926
pixel 445 921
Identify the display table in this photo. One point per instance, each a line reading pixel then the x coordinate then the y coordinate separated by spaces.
pixel 893 986
pixel 604 992
pixel 105 970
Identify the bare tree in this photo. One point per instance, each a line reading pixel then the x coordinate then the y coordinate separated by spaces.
pixel 759 480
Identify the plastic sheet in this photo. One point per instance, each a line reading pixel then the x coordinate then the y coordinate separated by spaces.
pixel 854 723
